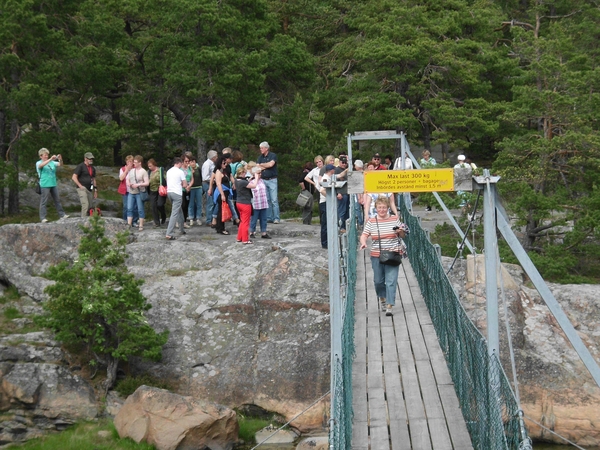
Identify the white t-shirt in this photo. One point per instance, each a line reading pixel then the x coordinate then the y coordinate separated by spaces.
pixel 408 164
pixel 175 176
pixel 323 198
pixel 313 175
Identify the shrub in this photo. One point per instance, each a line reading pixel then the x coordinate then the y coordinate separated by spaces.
pixel 97 303
pixel 128 385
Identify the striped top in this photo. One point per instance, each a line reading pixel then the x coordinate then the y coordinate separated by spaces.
pixel 384 228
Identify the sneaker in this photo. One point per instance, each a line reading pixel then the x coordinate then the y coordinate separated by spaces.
pixel 185 225
pixel 66 216
pixel 382 300
pixel 276 222
pixel 252 235
pixel 266 236
pixel 388 310
pixel 428 208
pixel 44 220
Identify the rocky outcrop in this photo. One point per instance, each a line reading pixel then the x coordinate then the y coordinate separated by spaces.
pixel 38 392
pixel 27 251
pixel 555 387
pixel 248 324
pixel 170 421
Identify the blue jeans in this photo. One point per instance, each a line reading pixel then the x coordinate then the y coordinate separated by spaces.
pixel 259 214
pixel 343 211
pixel 385 279
pixel 323 219
pixel 358 212
pixel 50 192
pixel 210 204
pixel 135 211
pixel 176 214
pixel 133 201
pixel 273 211
pixel 195 206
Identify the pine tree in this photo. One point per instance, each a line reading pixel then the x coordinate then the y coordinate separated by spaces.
pixel 96 303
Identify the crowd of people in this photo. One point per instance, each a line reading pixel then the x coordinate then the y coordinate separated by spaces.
pixel 225 187
pixel 224 184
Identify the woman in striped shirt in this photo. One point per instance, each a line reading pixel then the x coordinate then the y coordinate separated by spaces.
pixel 386 232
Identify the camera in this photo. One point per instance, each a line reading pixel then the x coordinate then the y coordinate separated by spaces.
pixel 396 228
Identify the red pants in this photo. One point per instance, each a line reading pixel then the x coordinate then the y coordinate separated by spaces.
pixel 245 213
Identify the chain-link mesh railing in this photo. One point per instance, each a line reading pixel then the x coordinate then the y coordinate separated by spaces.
pixel 341 407
pixel 484 392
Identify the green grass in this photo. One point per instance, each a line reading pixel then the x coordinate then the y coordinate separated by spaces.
pixel 10 294
pixel 110 195
pixel 84 436
pixel 27 215
pixel 11 313
pixel 249 426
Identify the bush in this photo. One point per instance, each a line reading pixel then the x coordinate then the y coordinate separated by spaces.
pixel 128 385
pixel 97 303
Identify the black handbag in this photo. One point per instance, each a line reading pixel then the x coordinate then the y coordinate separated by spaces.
pixel 38 189
pixel 387 257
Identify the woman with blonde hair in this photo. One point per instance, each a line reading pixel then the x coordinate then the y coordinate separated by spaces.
pixel 260 203
pixel 137 183
pixel 46 169
pixel 386 232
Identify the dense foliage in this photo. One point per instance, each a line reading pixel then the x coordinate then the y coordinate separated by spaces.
pixel 97 304
pixel 512 83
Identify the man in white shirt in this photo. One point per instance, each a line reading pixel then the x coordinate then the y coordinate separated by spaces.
pixel 176 182
pixel 207 170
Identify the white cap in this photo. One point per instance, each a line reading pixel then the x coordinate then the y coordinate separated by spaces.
pixel 461 157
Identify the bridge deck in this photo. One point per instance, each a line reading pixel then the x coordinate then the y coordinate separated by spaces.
pixel 404 397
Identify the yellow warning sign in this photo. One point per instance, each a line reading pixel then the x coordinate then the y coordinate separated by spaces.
pixel 428 180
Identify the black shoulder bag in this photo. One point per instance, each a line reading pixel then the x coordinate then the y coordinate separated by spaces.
pixel 388 257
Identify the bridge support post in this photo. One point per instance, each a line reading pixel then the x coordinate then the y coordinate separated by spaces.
pixel 495 436
pixel 335 301
pixel 491 258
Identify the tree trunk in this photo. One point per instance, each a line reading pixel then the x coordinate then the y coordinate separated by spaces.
pixel 426 135
pixel 13 180
pixel 445 148
pixel 2 159
pixel 111 373
pixel 116 116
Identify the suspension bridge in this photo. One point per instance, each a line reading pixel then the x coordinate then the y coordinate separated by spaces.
pixel 425 378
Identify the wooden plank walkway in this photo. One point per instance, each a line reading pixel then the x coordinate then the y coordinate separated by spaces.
pixel 403 396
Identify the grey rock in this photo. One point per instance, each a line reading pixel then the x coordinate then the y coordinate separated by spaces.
pixel 28 251
pixel 248 324
pixel 314 443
